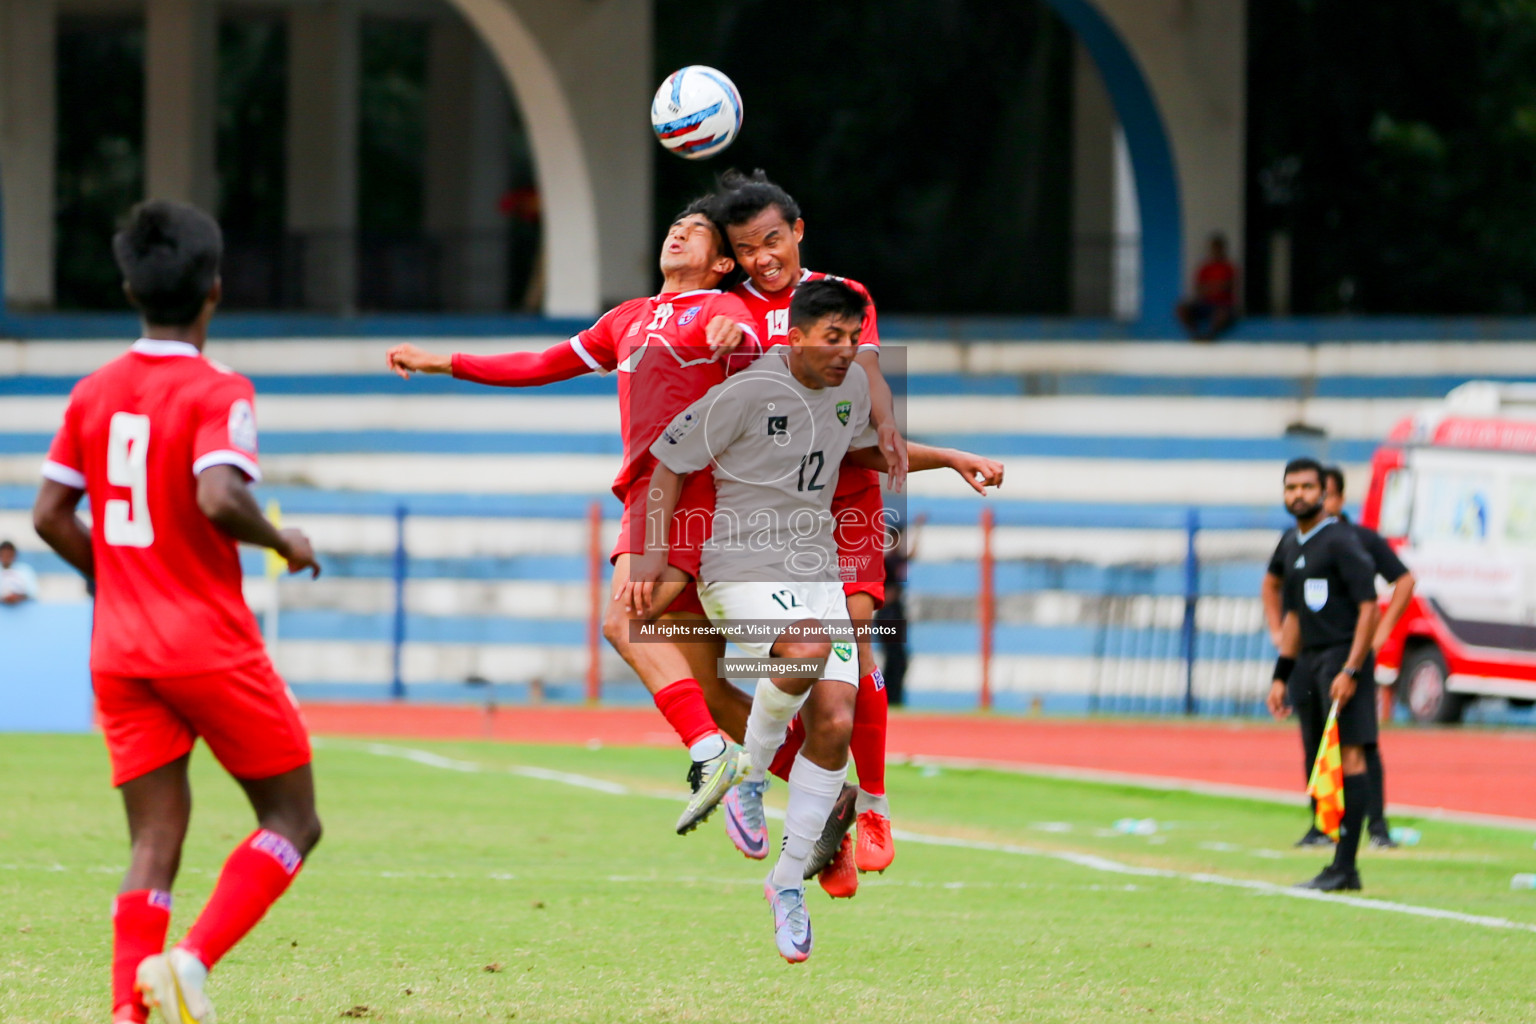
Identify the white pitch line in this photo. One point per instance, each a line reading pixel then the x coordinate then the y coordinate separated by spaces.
pixel 1198 787
pixel 1092 861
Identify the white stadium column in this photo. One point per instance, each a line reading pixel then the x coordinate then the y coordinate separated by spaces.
pixel 27 107
pixel 1194 56
pixel 323 76
pixel 180 100
pixel 581 76
pixel 468 166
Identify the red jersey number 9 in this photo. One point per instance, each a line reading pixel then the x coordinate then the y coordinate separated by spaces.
pixel 126 523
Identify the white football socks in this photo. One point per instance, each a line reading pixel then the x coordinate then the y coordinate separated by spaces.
pixel 872 802
pixel 772 711
pixel 708 747
pixel 812 792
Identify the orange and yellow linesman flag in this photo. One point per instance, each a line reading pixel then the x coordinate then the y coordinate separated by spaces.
pixel 1327 783
pixel 276 565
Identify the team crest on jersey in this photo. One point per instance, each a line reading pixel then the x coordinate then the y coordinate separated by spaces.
pixel 844 410
pixel 1315 593
pixel 681 427
pixel 778 426
pixel 844 652
pixel 242 425
pixel 688 316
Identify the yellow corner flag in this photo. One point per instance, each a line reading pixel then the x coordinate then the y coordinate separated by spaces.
pixel 276 566
pixel 1327 783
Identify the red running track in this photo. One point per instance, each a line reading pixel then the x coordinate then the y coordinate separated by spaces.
pixel 1475 771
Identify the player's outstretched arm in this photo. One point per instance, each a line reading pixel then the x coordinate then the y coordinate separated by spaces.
pixel 406 359
pixel 54 519
pixel 882 411
pixel 978 471
pixel 226 499
pixel 508 370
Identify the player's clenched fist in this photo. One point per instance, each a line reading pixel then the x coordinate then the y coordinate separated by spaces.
pixel 297 551
pixel 407 359
pixel 724 336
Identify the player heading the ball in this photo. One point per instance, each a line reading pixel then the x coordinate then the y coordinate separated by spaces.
pixel 776 435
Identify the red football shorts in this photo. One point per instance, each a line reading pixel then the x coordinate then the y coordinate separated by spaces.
pixel 692 520
pixel 246 714
pixel 861 543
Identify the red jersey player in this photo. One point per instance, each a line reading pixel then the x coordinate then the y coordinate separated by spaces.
pixel 164 443
pixel 764 226
pixel 668 349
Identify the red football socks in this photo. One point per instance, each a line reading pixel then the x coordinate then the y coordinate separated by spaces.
pixel 254 876
pixel 682 704
pixel 868 743
pixel 139 923
pixel 784 760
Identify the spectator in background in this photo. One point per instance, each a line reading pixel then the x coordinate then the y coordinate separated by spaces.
pixel 1213 308
pixel 901 546
pixel 18 583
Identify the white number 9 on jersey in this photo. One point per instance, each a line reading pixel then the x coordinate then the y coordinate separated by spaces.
pixel 126 523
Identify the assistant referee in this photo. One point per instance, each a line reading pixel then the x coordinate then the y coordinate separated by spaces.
pixel 1328 595
pixel 1386 564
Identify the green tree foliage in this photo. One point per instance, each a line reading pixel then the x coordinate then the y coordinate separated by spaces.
pixel 100 142
pixel 252 125
pixel 1397 144
pixel 392 127
pixel 928 143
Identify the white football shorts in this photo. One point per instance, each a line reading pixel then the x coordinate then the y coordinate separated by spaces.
pixel 761 603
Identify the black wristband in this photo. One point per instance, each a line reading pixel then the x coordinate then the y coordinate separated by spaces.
pixel 1283 666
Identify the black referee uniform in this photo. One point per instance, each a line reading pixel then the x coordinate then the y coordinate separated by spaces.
pixel 1325 576
pixel 1386 564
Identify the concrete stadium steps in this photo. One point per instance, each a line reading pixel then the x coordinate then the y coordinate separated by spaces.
pixel 1088 480
pixel 1385 358
pixel 531 414
pixel 1108 445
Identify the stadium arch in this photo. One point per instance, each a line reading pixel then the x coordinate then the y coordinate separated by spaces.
pixel 567 199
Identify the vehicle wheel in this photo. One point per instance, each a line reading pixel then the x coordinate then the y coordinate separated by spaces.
pixel 1424 682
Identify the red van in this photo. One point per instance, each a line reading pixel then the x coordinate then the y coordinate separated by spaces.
pixel 1454 491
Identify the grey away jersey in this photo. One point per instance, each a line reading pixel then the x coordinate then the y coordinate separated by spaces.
pixel 776 446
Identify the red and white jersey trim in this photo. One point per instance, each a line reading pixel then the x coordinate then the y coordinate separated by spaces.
pixel 586 357
pixel 161 347
pixel 62 474
pixel 227 457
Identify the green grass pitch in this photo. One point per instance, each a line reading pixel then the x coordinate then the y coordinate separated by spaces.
pixel 491 882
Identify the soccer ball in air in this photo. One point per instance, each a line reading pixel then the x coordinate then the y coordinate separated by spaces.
pixel 696 112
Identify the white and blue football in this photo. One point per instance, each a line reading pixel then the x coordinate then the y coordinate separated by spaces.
pixel 696 112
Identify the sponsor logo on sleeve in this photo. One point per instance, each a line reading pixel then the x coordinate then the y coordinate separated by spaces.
pixel 242 425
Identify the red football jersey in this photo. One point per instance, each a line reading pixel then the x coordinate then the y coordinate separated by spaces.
pixel 136 434
pixel 659 347
pixel 772 316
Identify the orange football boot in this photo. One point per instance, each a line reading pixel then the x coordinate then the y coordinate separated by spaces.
pixel 840 878
pixel 876 848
